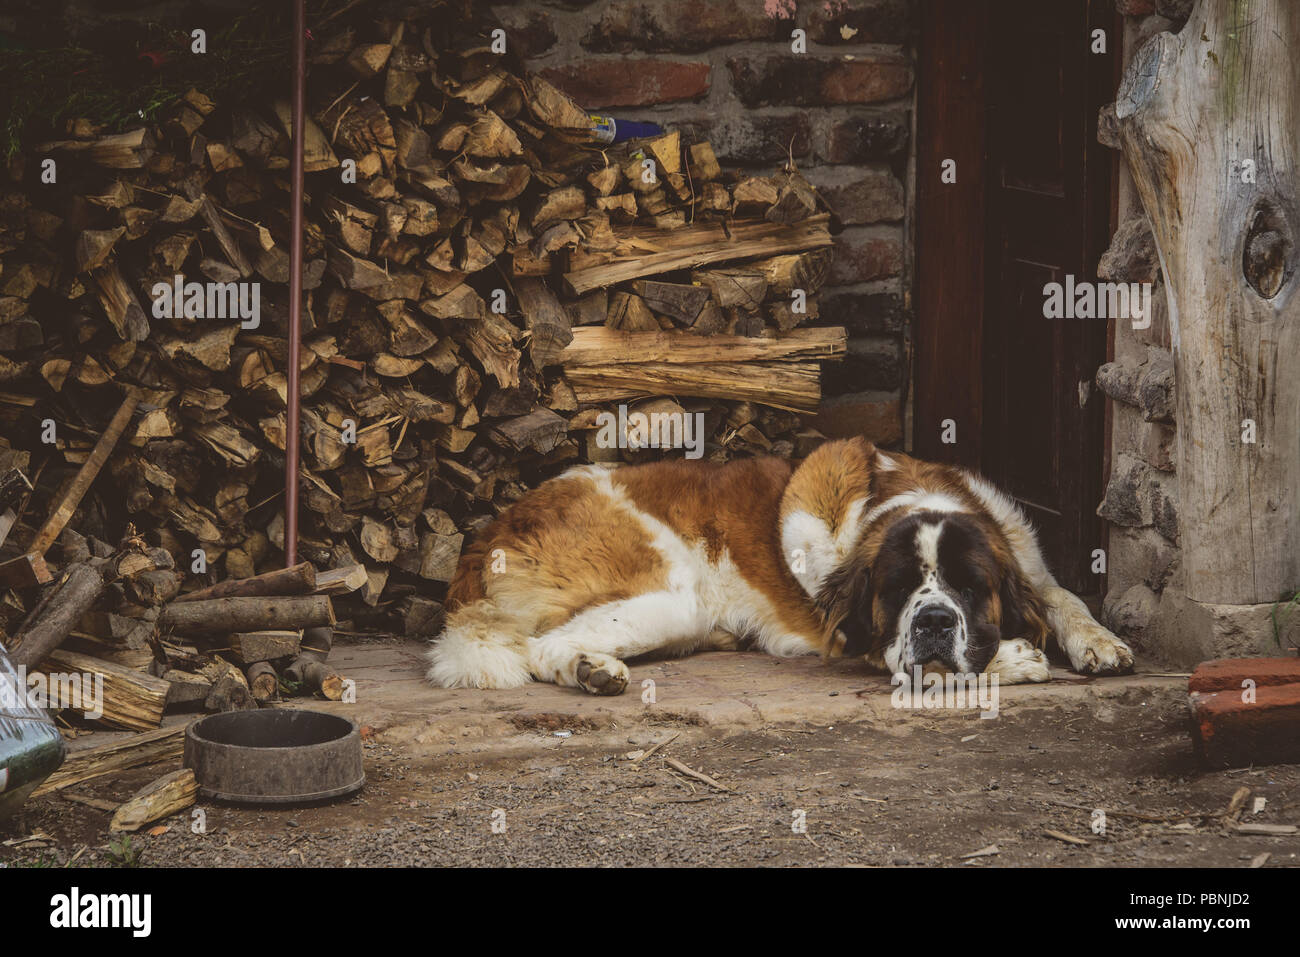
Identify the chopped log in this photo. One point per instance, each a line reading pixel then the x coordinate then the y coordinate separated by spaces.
pixel 340 581
pixel 151 747
pixel 679 301
pixel 249 647
pixel 299 579
pixel 161 798
pixel 215 615
pixel 230 691
pixel 131 700
pixel 129 150
pixel 317 642
pixel 187 690
pixel 547 322
pixel 78 590
pixel 540 430
pixel 315 676
pixel 629 313
pixel 703 163
pixel 263 681
pixel 797 199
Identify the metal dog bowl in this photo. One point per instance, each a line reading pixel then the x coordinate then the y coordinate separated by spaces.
pixel 275 756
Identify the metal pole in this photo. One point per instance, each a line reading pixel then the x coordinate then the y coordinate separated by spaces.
pixel 292 430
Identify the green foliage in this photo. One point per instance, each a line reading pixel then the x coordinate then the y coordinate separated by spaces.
pixel 123 853
pixel 250 58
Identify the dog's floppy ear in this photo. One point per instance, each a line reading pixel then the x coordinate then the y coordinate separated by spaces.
pixel 844 604
pixel 1023 613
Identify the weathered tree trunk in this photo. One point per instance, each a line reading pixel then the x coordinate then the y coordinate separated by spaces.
pixel 1209 120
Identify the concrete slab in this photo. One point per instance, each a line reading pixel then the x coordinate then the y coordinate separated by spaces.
pixel 723 691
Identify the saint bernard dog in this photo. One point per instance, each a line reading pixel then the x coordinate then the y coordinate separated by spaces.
pixel 854 551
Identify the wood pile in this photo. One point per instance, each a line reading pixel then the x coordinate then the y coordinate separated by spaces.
pixel 482 281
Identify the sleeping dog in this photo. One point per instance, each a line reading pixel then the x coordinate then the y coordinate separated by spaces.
pixel 854 551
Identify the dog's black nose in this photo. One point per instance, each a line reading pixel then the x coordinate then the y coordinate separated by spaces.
pixel 935 618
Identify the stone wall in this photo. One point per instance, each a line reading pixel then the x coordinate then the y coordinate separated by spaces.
pixel 724 70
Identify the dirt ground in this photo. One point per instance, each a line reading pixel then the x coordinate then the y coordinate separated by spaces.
pixel 876 786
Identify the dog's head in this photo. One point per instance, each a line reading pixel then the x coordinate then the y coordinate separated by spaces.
pixel 941 587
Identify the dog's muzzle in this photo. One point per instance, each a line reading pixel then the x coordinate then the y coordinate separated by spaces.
pixel 934 636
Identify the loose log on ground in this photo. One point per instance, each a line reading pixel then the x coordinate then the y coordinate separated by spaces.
pixel 78 590
pixel 263 681
pixel 151 747
pixel 162 798
pixel 312 676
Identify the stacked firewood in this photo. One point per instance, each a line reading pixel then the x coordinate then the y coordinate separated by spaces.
pixel 483 280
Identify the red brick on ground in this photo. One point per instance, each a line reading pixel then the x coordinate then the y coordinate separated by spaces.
pixel 1227 674
pixel 1230 733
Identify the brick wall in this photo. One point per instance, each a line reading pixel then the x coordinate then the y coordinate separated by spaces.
pixel 724 70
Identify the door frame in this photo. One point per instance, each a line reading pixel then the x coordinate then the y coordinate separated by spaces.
pixel 951 260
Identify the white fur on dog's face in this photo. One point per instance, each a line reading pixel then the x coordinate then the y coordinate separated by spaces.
pixel 922 571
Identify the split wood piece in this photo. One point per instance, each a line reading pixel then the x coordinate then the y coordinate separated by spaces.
pixel 162 798
pixel 8 518
pixel 794 386
pixel 647 252
pixel 208 210
pixel 540 430
pixel 680 301
pixel 230 690
pixel 598 346
pixel 317 643
pixel 546 319
pixel 263 681
pixel 152 747
pixel 129 150
pixel 341 581
pixel 186 690
pixel 29 569
pixel 299 579
pixel 213 615
pixel 250 647
pixel 130 699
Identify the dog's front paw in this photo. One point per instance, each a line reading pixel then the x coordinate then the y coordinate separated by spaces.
pixel 1019 662
pixel 602 674
pixel 1096 651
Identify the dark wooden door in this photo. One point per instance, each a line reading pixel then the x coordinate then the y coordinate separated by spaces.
pixel 1044 213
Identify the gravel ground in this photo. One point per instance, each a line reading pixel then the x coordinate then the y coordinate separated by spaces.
pixel 909 789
